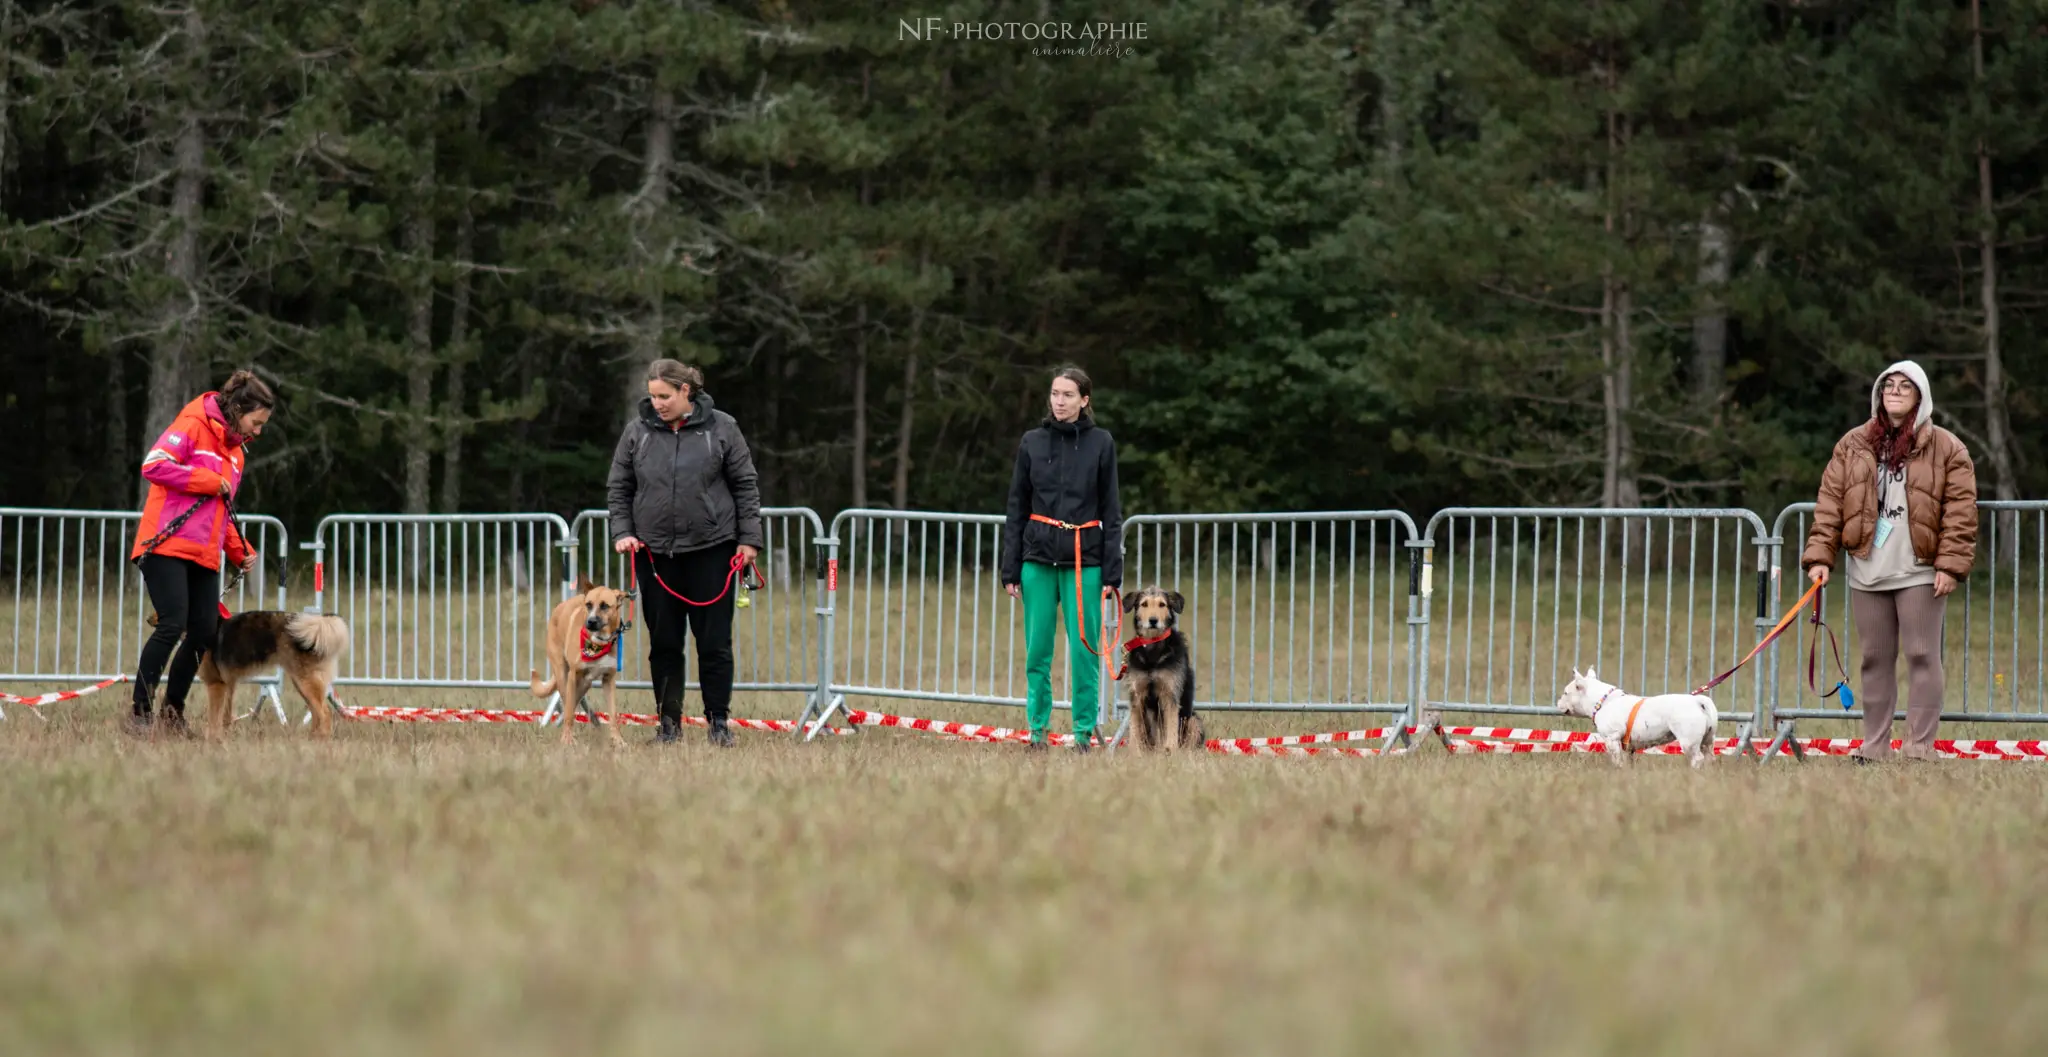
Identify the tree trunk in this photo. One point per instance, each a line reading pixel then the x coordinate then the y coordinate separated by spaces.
pixel 900 487
pixel 860 408
pixel 419 337
pixel 1388 69
pixel 1618 486
pixel 6 91
pixel 122 460
pixel 176 367
pixel 648 205
pixel 1997 422
pixel 458 337
pixel 1710 326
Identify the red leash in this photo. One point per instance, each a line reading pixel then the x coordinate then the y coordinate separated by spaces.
pixel 739 561
pixel 1081 624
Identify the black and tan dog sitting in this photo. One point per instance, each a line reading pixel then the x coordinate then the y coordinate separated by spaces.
pixel 1162 674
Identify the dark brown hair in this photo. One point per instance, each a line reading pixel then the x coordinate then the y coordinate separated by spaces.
pixel 1077 376
pixel 1892 443
pixel 243 393
pixel 676 373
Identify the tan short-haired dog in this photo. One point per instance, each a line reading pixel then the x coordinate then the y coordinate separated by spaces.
pixel 583 636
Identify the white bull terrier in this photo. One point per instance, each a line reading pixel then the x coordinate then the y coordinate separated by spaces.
pixel 1627 722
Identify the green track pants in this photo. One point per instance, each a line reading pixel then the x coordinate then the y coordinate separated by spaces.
pixel 1046 589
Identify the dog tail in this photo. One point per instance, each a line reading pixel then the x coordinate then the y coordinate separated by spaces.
pixel 539 688
pixel 1713 721
pixel 325 637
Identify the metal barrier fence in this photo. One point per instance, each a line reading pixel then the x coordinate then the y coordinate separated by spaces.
pixel 78 611
pixel 1993 635
pixel 1655 600
pixel 1287 612
pixel 778 635
pixel 446 600
pixel 917 610
pixel 1292 611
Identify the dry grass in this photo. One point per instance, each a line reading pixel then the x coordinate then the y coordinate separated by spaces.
pixel 437 889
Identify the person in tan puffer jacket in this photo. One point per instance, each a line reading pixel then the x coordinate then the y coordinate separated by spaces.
pixel 1899 498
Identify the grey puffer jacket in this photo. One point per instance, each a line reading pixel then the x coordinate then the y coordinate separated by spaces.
pixel 685 488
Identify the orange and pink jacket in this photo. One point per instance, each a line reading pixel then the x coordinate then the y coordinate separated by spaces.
pixel 185 466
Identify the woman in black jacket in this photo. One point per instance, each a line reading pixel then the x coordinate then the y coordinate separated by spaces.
pixel 684 500
pixel 1063 500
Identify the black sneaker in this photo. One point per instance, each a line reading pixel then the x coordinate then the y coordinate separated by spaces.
pixel 174 725
pixel 667 729
pixel 720 735
pixel 138 726
pixel 1081 743
pixel 1035 745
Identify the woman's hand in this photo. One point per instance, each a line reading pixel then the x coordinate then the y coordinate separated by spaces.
pixel 1943 584
pixel 749 553
pixel 227 491
pixel 1108 593
pixel 1819 574
pixel 249 563
pixel 626 545
pixel 1011 589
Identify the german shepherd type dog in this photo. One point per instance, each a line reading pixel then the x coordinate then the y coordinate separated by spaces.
pixel 308 648
pixel 1162 675
pixel 583 637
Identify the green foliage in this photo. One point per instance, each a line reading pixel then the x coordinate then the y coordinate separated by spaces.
pixel 1362 254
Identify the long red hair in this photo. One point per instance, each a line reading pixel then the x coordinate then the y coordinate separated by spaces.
pixel 1891 443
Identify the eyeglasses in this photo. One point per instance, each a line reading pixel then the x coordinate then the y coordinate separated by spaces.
pixel 1899 385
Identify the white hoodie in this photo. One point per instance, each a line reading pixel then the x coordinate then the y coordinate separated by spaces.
pixel 1911 370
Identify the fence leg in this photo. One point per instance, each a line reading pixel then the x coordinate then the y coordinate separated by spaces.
pixel 1123 727
pixel 1786 741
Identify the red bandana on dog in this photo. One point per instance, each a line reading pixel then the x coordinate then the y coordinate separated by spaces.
pixel 588 654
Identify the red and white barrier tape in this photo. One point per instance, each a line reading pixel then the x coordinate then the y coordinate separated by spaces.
pixel 967 731
pixel 55 696
pixel 493 715
pixel 1240 746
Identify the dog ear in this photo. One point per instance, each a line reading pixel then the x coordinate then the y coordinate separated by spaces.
pixel 1590 675
pixel 1131 601
pixel 1175 602
pixel 583 584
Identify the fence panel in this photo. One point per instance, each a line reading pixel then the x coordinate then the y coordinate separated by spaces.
pixel 920 612
pixel 1656 600
pixel 1286 612
pixel 451 600
pixel 776 637
pixel 77 608
pixel 1992 637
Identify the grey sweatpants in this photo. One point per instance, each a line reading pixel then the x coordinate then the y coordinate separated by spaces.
pixel 1886 622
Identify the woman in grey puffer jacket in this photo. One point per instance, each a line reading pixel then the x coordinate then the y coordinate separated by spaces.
pixel 684 499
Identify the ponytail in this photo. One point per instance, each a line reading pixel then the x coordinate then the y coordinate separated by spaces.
pixel 242 393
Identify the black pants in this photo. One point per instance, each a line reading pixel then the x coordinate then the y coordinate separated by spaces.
pixel 698 575
pixel 187 600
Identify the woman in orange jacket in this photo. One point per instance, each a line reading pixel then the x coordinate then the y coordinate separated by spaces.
pixel 193 471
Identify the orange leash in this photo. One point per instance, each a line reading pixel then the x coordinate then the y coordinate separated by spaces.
pixel 1080 621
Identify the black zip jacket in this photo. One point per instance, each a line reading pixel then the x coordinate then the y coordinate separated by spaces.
pixel 684 489
pixel 1065 471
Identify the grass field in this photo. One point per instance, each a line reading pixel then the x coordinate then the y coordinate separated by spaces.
pixel 470 889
